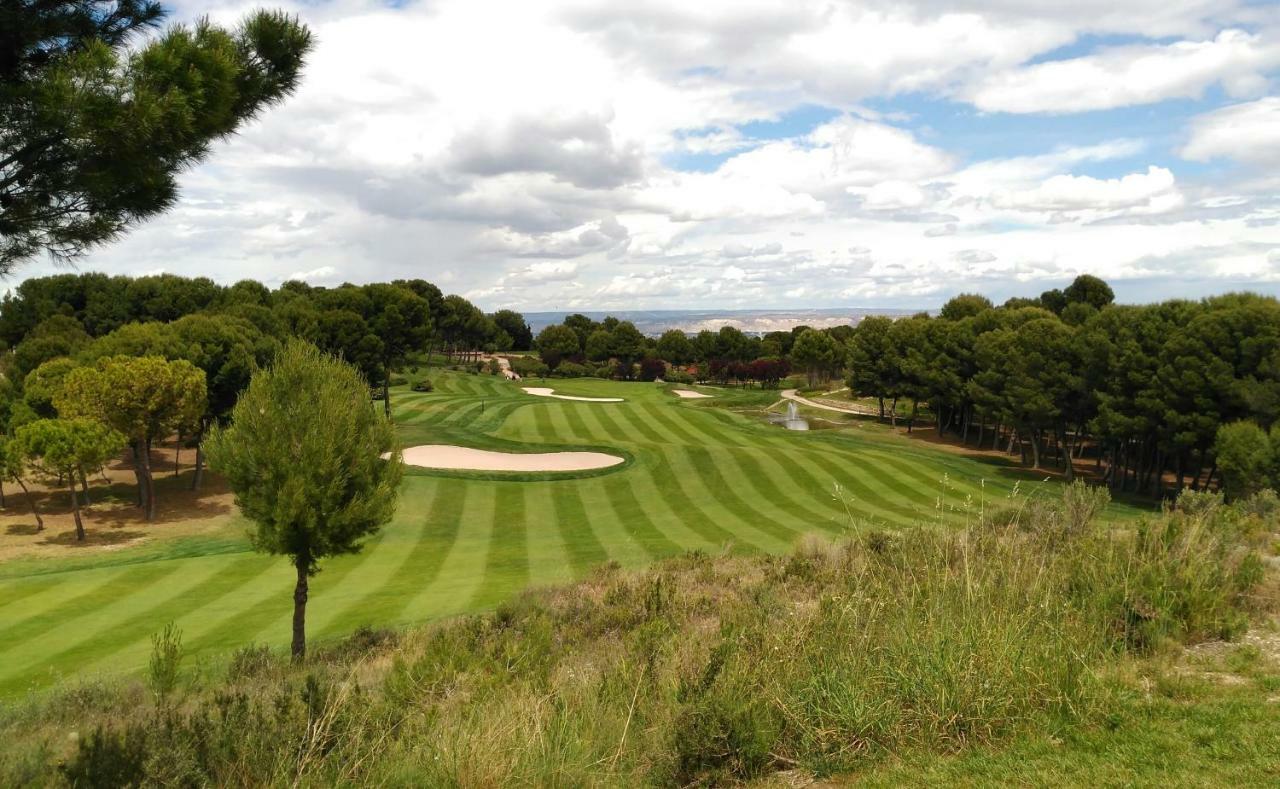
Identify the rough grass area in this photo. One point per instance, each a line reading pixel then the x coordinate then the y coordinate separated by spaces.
pixel 1033 645
pixel 710 476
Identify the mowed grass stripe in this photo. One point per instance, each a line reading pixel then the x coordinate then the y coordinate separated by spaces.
pixel 911 474
pixel 761 473
pixel 103 619
pixel 78 601
pixel 426 534
pixel 574 416
pixel 463 571
pixel 132 634
pixel 698 420
pixel 629 423
pixel 819 484
pixel 582 545
pixel 677 431
pixel 696 518
pixel 546 545
pixel 700 464
pixel 634 517
pixel 506 565
pixel 911 502
pixel 14 593
pixel 666 519
pixel 441 526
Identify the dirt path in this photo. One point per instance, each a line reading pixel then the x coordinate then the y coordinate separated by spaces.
pixel 504 364
pixel 792 394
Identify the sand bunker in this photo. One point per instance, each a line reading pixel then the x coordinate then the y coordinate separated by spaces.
pixel 542 391
pixel 689 394
pixel 446 456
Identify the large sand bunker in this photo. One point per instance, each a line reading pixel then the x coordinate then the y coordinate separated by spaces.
pixel 689 394
pixel 445 456
pixel 542 391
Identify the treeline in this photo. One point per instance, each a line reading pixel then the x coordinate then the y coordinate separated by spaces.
pixel 149 357
pixel 616 348
pixel 1068 378
pixel 1141 391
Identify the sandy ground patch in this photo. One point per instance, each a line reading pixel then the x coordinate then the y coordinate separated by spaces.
pixel 446 456
pixel 689 394
pixel 542 391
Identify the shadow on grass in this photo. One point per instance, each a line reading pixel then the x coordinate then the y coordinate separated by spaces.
pixel 93 537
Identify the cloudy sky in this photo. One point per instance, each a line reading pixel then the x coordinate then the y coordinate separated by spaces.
pixel 668 153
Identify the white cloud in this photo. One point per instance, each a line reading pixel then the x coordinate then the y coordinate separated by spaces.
pixel 321 274
pixel 522 153
pixel 1247 132
pixel 1125 76
pixel 543 271
pixel 1149 192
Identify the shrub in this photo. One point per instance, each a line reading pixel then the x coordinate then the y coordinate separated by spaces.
pixel 424 385
pixel 249 661
pixel 529 367
pixel 573 370
pixel 166 660
pixel 652 369
pixel 675 376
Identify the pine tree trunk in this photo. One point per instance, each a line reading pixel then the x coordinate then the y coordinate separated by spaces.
pixel 31 502
pixel 199 475
pixel 75 507
pixel 386 392
pixel 137 474
pixel 911 422
pixel 177 455
pixel 84 485
pixel 299 646
pixel 1066 456
pixel 143 451
pixel 1035 449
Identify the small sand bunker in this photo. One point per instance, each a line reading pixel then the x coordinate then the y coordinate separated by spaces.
pixel 689 394
pixel 542 391
pixel 446 456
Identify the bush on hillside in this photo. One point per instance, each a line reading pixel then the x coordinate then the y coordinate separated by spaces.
pixel 424 385
pixel 675 376
pixel 573 370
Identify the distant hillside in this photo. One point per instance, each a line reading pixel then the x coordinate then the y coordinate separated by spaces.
pixel 655 322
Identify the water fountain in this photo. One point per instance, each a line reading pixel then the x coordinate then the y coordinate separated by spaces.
pixel 794 420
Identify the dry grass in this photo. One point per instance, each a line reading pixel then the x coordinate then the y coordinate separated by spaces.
pixel 113 521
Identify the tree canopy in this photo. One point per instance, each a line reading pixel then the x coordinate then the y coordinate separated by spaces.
pixel 93 133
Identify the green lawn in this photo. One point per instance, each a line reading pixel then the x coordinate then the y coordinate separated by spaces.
pixel 700 475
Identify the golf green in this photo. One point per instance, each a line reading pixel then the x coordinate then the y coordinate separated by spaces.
pixel 697 476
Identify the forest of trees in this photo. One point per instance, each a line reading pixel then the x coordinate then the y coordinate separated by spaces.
pixel 1139 393
pixel 152 356
pixel 1149 398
